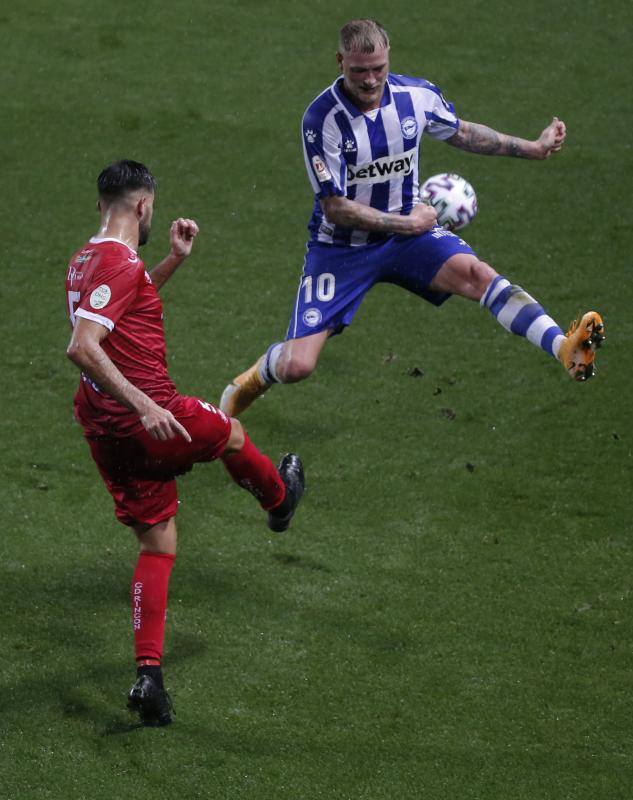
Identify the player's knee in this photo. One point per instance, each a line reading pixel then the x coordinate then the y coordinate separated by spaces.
pixel 480 276
pixel 236 438
pixel 297 368
pixel 159 538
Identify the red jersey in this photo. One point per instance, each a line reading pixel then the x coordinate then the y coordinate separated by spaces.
pixel 107 283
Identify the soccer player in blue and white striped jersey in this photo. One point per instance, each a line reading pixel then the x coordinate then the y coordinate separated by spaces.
pixel 361 142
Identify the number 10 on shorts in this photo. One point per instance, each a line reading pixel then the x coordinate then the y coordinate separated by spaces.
pixel 324 287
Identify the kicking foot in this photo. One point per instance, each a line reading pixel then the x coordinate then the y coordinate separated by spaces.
pixel 578 351
pixel 150 701
pixel 241 392
pixel 291 470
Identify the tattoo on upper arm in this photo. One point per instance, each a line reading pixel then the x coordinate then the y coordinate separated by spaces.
pixel 477 139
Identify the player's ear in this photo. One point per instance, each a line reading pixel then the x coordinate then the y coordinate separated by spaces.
pixel 339 59
pixel 140 207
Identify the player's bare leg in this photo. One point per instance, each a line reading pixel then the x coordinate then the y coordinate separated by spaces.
pixel 519 313
pixel 283 362
pixel 150 583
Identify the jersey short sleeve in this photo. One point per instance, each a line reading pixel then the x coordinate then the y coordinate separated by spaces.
pixel 110 291
pixel 322 153
pixel 441 120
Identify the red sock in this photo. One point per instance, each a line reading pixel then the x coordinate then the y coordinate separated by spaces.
pixel 149 603
pixel 256 473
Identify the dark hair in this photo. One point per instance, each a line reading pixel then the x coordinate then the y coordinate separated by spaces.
pixel 362 36
pixel 122 177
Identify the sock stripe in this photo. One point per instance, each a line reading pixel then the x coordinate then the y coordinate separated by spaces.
pixel 267 370
pixel 497 285
pixel 538 329
pixel 525 317
pixel 497 305
pixel 519 313
pixel 548 339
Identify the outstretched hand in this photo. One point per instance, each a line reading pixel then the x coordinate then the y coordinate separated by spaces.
pixel 552 138
pixel 181 236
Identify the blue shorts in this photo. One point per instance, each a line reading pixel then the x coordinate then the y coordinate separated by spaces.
pixel 336 278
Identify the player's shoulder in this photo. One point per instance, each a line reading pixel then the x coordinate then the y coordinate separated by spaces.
pixel 113 249
pixel 114 254
pixel 396 80
pixel 319 108
pixel 109 257
pixel 81 256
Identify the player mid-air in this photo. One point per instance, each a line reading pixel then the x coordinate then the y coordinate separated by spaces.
pixel 141 431
pixel 361 139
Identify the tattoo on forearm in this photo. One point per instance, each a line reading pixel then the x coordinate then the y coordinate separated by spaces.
pixel 476 138
pixel 514 147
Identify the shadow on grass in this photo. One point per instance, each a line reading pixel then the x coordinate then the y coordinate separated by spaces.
pixel 289 560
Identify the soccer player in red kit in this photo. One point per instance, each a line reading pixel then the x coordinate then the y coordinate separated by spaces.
pixel 140 430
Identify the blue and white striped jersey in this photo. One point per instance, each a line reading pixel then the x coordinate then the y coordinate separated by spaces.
pixel 371 157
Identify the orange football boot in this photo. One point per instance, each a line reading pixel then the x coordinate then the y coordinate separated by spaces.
pixel 578 351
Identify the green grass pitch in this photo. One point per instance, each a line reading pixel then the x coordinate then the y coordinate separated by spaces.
pixel 450 617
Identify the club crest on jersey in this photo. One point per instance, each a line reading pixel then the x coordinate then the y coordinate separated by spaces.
pixel 310 135
pixel 100 296
pixel 83 257
pixel 382 169
pixel 409 127
pixel 312 317
pixel 320 167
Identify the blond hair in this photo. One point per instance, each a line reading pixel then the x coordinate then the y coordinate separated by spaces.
pixel 362 36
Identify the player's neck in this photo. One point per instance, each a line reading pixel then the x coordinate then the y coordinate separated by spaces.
pixel 120 227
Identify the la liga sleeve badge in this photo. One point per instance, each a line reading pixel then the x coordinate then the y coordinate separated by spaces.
pixel 320 167
pixel 100 296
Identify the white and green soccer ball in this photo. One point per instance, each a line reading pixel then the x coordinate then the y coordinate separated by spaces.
pixel 452 197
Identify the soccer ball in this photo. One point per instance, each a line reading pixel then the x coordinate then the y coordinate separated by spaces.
pixel 452 197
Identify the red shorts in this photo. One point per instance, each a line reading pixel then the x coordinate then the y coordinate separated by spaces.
pixel 139 471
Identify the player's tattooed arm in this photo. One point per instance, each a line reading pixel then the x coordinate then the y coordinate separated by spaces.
pixel 477 138
pixel 342 211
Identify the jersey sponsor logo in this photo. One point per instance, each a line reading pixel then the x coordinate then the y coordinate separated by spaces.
pixel 382 169
pixel 320 167
pixel 409 127
pixel 73 275
pixel 312 317
pixel 100 296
